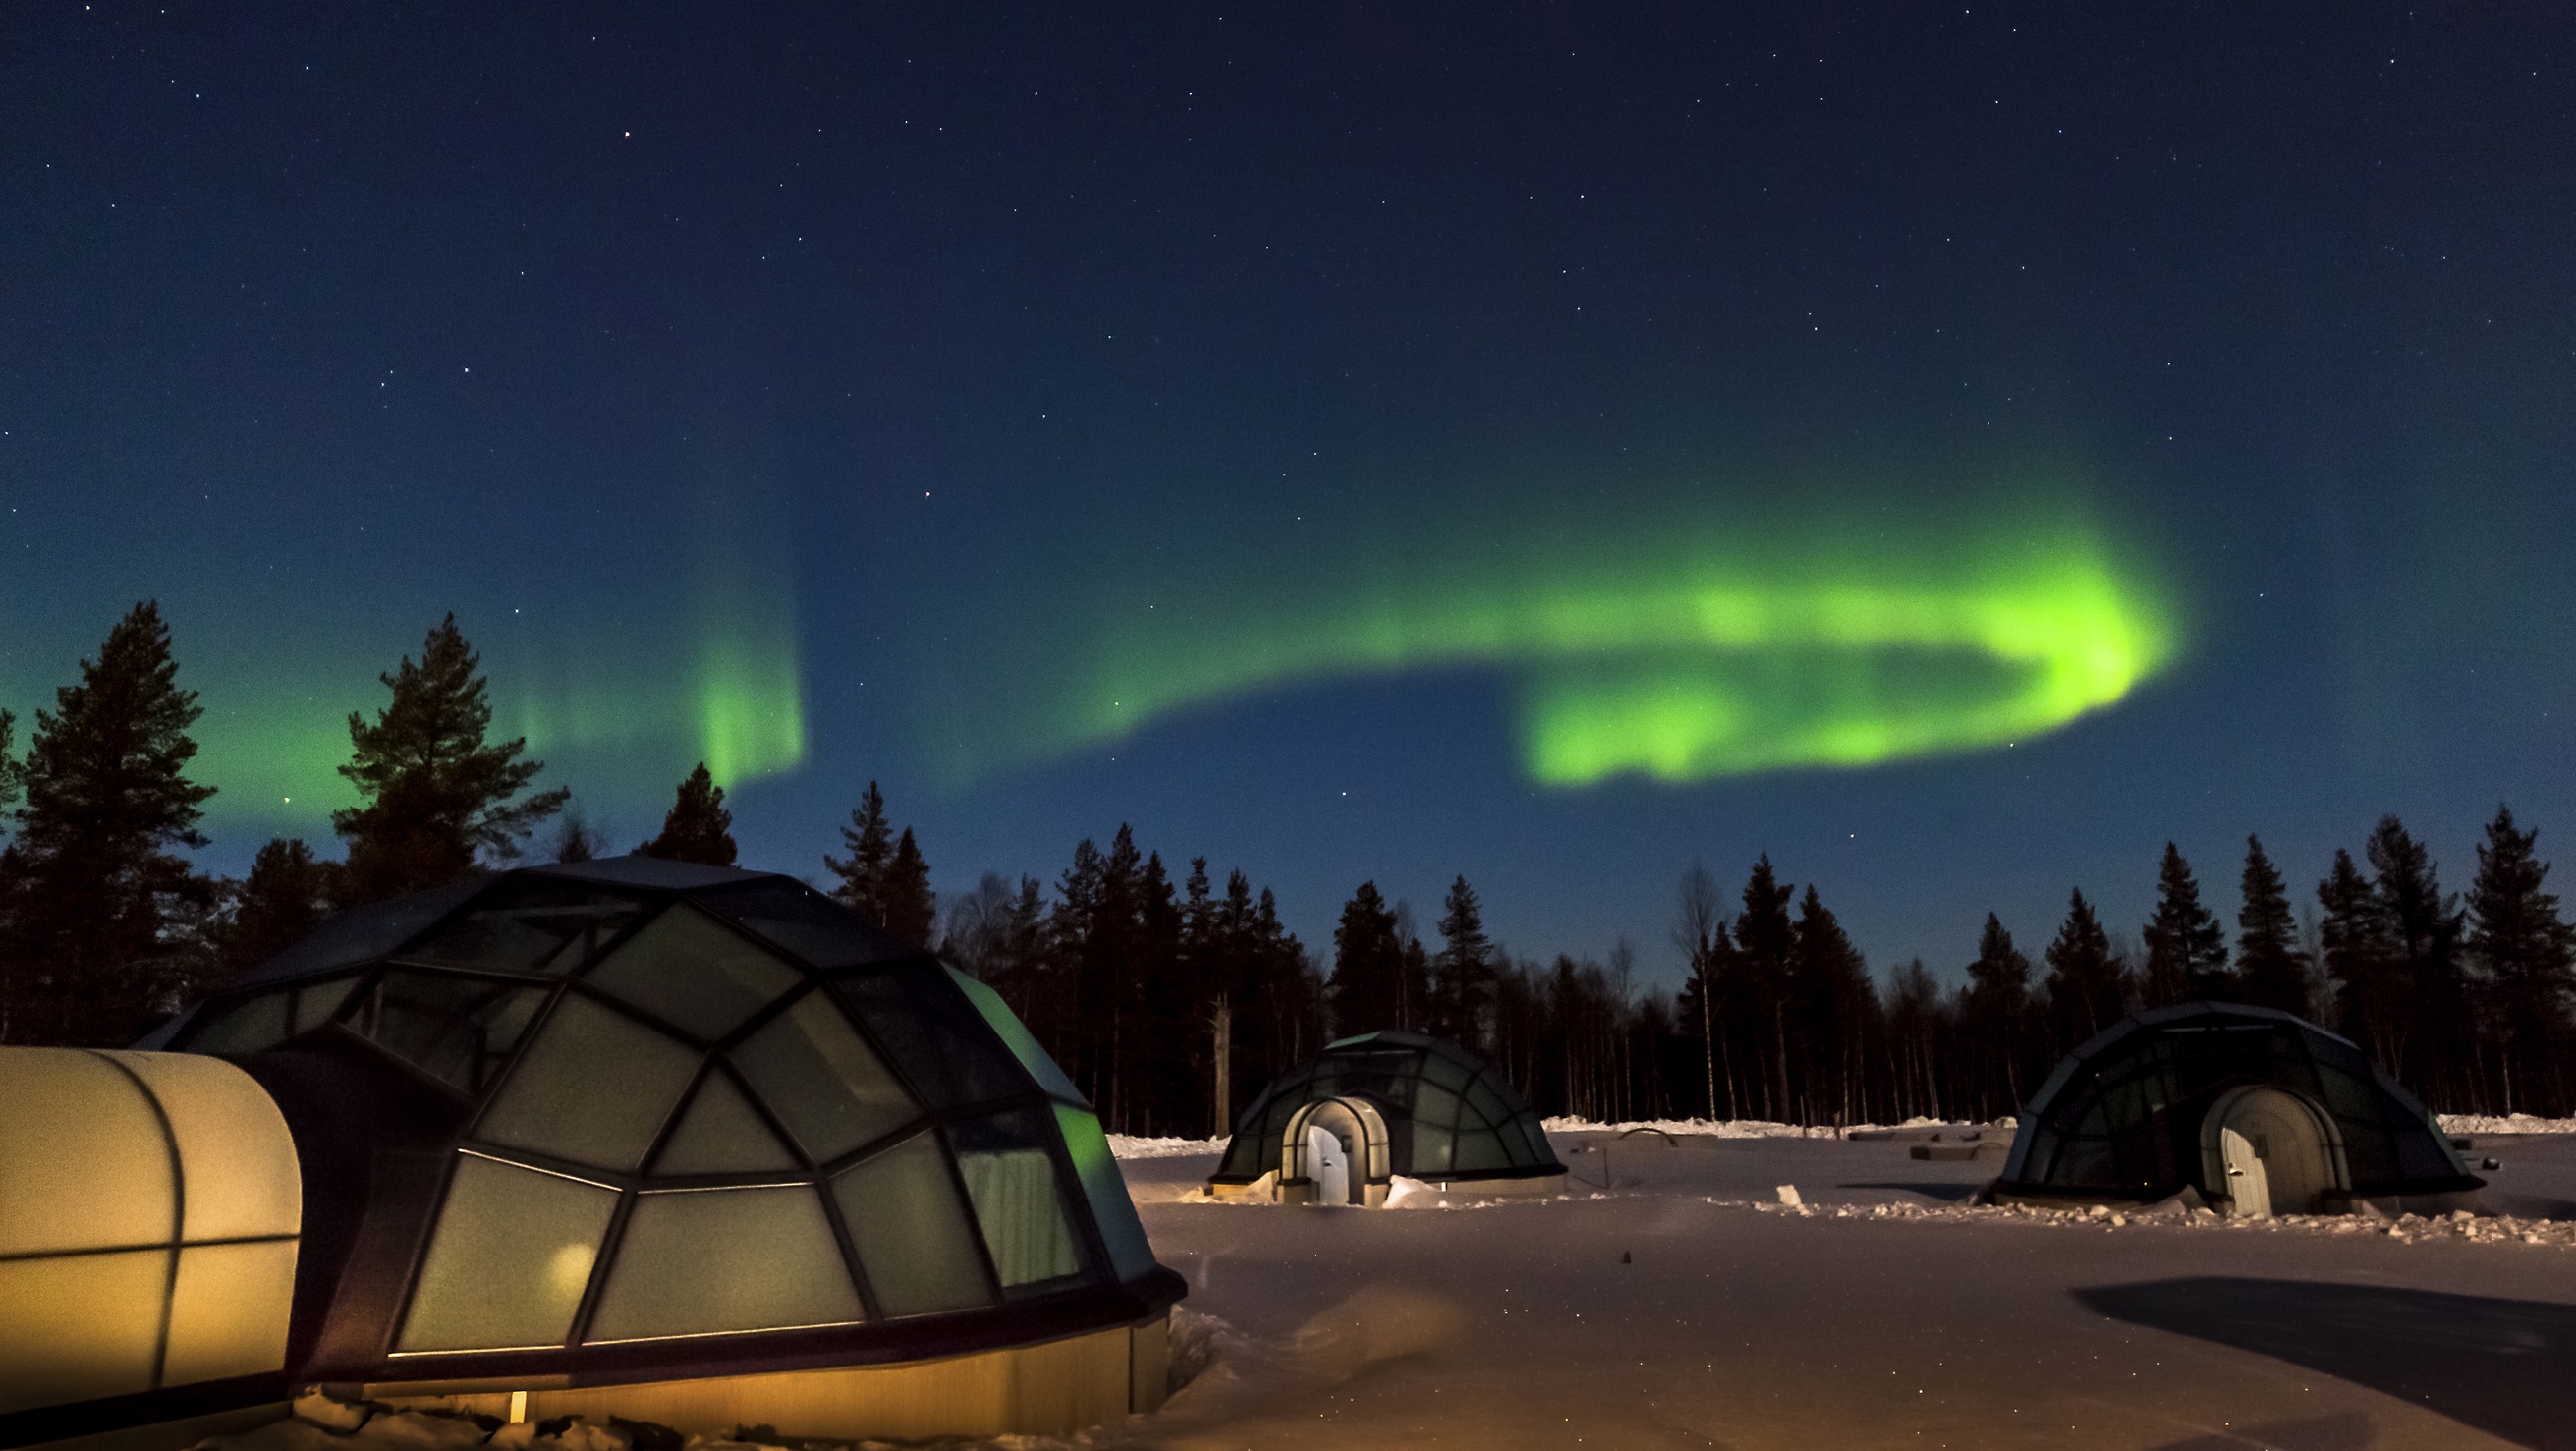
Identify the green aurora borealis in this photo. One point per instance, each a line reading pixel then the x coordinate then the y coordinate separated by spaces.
pixel 715 675
pixel 1823 636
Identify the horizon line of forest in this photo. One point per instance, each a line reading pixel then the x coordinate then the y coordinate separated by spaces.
pixel 1171 1004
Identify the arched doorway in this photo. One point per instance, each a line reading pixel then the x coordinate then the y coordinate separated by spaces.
pixel 1335 1152
pixel 2271 1152
pixel 1328 1163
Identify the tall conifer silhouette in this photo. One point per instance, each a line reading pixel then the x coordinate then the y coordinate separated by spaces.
pixel 2271 970
pixel 698 827
pixel 435 795
pixel 93 877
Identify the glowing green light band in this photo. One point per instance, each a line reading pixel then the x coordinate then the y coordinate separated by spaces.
pixel 1814 643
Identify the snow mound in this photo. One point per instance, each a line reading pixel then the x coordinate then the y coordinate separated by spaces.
pixel 1127 1146
pixel 1754 1128
pixel 2512 1123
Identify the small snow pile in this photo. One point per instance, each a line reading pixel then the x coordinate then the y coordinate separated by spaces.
pixel 1405 1187
pixel 1127 1146
pixel 2457 1227
pixel 1755 1128
pixel 2512 1123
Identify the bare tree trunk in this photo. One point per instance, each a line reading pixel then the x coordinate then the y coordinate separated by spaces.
pixel 1708 1042
pixel 1221 1030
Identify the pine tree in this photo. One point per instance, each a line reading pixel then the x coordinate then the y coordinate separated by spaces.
pixel 12 771
pixel 1763 940
pixel 95 887
pixel 1838 1011
pixel 575 840
pixel 2273 972
pixel 870 843
pixel 698 828
pixel 1368 965
pixel 2186 950
pixel 2361 961
pixel 1994 1014
pixel 436 796
pixel 286 895
pixel 2526 959
pixel 1463 971
pixel 2425 924
pixel 2084 979
pixel 911 908
pixel 1413 978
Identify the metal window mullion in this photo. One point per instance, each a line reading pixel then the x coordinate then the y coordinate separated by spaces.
pixel 849 1246
pixel 974 1215
pixel 611 1242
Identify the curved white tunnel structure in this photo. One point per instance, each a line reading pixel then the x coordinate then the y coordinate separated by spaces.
pixel 150 1205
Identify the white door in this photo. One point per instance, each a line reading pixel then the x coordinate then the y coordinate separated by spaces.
pixel 2279 1139
pixel 1327 1165
pixel 2247 1182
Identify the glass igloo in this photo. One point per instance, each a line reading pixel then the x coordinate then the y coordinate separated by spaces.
pixel 2256 1111
pixel 1337 1128
pixel 633 1119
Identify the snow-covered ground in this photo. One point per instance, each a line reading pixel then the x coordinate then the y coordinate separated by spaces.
pixel 1672 1299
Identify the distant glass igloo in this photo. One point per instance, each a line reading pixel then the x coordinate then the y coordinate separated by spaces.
pixel 1339 1127
pixel 2258 1112
pixel 633 1135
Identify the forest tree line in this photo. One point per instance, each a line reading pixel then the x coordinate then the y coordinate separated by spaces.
pixel 1171 1002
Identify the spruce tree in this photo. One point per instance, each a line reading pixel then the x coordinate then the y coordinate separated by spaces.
pixel 436 795
pixel 910 906
pixel 2084 987
pixel 1763 939
pixel 2526 959
pixel 1994 1013
pixel 1413 979
pixel 575 840
pixel 1838 1012
pixel 2425 923
pixel 870 843
pixel 12 771
pixel 286 895
pixel 2272 971
pixel 95 887
pixel 2186 949
pixel 698 828
pixel 2361 961
pixel 1463 971
pixel 1368 964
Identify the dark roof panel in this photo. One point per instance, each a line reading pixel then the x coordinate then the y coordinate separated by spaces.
pixel 648 872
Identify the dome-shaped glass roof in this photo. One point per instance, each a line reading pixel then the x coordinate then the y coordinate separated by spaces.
pixel 636 1117
pixel 2121 1117
pixel 1449 1114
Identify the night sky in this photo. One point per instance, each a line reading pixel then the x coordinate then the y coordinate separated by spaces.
pixel 1954 449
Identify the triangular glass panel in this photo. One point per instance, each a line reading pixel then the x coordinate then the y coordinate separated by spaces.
pixel 594 1088
pixel 690 969
pixel 531 924
pixel 934 1035
pixel 821 1079
pixel 719 1134
pixel 808 924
